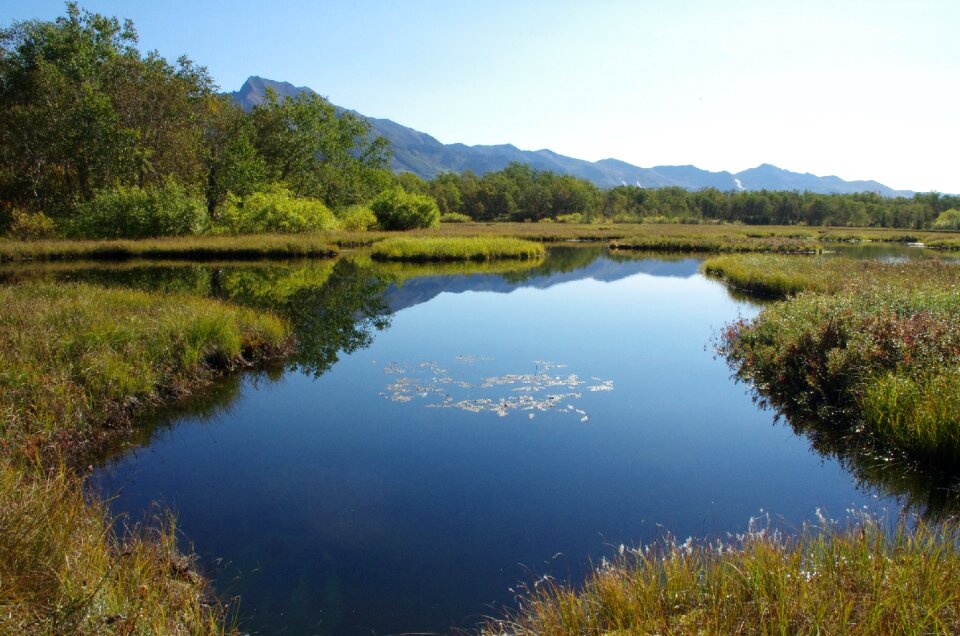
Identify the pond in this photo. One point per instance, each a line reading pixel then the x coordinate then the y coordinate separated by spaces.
pixel 443 435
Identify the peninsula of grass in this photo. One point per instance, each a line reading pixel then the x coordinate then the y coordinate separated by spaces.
pixel 197 248
pixel 774 276
pixel 730 242
pixel 428 249
pixel 75 360
pixel 77 363
pixel 859 580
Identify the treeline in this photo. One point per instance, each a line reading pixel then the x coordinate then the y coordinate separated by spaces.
pixel 97 139
pixel 520 193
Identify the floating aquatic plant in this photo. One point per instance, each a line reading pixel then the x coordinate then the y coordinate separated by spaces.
pixel 542 390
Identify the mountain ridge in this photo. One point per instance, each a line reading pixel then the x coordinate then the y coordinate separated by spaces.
pixel 425 156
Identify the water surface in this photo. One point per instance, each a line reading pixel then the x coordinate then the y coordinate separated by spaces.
pixel 333 503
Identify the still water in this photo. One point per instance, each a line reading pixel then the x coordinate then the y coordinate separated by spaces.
pixel 443 436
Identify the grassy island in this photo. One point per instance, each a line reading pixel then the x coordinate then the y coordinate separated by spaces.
pixel 455 249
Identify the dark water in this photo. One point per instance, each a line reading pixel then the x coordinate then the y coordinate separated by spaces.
pixel 371 489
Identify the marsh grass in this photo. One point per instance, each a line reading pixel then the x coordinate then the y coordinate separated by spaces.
pixel 720 243
pixel 880 363
pixel 65 570
pixel 77 360
pixel 424 249
pixel 250 246
pixel 782 276
pixel 859 579
pixel 638 236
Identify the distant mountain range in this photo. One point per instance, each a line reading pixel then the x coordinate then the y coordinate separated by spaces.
pixel 418 152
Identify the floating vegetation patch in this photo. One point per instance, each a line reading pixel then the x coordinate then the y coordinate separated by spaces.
pixel 465 387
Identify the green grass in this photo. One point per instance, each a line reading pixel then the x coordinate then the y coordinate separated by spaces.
pixel 783 276
pixel 77 363
pixel 881 364
pixel 638 236
pixel 76 359
pixel 65 570
pixel 858 580
pixel 718 243
pixel 251 246
pixel 455 249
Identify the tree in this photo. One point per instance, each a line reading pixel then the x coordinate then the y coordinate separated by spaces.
pixel 317 152
pixel 81 110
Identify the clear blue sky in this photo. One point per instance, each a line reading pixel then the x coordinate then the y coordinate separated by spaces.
pixel 860 89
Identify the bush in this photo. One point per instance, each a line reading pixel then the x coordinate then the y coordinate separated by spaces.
pixel 397 209
pixel 357 218
pixel 455 217
pixel 29 226
pixel 948 220
pixel 132 212
pixel 275 210
pixel 575 217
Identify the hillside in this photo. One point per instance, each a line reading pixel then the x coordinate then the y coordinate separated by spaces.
pixel 418 152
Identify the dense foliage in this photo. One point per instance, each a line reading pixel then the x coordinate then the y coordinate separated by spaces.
pixel 135 212
pixel 879 360
pixel 397 209
pixel 520 193
pixel 83 112
pixel 275 211
pixel 85 117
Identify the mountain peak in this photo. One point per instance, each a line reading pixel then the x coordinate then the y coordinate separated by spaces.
pixel 418 152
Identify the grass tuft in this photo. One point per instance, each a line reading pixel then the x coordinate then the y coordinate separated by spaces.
pixel 857 580
pixel 455 249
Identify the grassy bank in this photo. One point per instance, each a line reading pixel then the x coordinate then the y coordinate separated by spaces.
pixel 858 580
pixel 77 362
pixel 64 569
pixel 455 249
pixel 76 359
pixel 880 364
pixel 247 247
pixel 632 236
pixel 731 242
pixel 783 276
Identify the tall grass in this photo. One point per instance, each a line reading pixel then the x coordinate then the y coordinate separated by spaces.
pixel 730 242
pixel 783 276
pixel 75 360
pixel 854 580
pixel 250 246
pixel 882 364
pixel 65 570
pixel 455 249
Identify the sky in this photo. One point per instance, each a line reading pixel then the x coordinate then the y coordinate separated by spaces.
pixel 857 89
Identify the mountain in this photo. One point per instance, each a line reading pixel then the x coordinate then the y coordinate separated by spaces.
pixel 417 152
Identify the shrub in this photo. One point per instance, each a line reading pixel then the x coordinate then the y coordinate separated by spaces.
pixel 455 217
pixel 574 217
pixel 27 226
pixel 948 220
pixel 275 210
pixel 357 218
pixel 397 209
pixel 132 212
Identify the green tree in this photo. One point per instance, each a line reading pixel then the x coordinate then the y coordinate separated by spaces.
pixel 317 152
pixel 948 220
pixel 81 110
